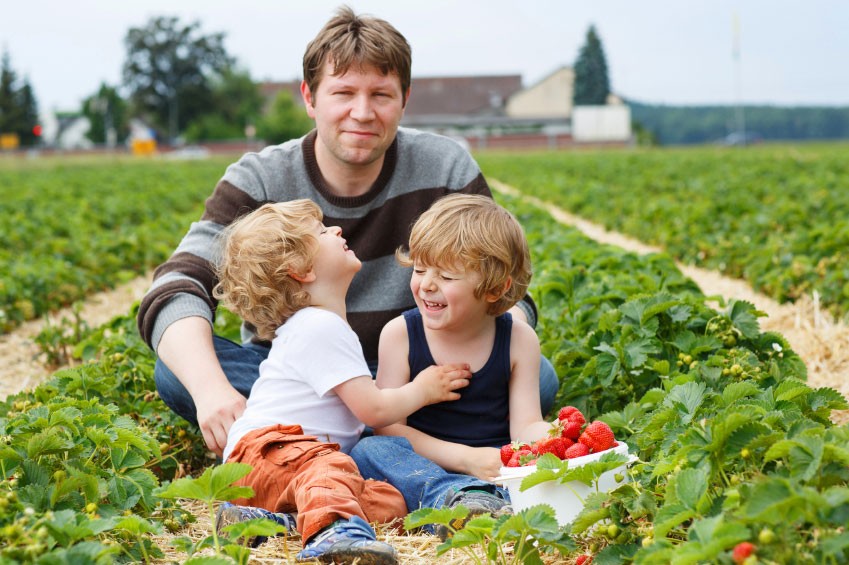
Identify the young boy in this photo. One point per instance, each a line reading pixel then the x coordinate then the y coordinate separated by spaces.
pixel 287 274
pixel 470 264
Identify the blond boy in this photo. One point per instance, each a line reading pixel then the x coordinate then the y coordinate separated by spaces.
pixel 470 265
pixel 287 274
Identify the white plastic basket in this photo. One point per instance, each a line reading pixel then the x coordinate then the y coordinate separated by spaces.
pixel 567 499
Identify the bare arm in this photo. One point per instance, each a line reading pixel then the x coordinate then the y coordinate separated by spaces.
pixel 526 422
pixel 394 372
pixel 378 407
pixel 186 348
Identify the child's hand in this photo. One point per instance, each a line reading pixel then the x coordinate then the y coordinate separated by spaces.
pixel 439 382
pixel 483 463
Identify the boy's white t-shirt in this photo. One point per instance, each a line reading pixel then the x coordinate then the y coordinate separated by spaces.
pixel 313 352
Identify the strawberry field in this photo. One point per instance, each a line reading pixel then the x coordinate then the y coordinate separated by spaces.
pixel 774 215
pixel 733 446
pixel 67 230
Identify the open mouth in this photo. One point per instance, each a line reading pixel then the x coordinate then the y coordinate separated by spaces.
pixel 433 305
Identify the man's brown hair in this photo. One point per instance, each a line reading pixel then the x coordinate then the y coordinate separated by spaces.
pixel 352 41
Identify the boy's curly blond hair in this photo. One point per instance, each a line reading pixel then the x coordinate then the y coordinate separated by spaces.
pixel 475 233
pixel 259 252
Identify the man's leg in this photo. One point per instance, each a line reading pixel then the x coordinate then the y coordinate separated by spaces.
pixel 240 364
pixel 549 385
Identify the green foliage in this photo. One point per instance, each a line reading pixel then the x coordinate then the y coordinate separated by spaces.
pixel 675 125
pixel 592 84
pixel 533 532
pixel 236 103
pixel 67 230
pixel 168 70
pixel 775 216
pixel 107 113
pixel 285 120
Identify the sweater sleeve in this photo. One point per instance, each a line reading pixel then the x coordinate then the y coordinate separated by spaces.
pixel 182 286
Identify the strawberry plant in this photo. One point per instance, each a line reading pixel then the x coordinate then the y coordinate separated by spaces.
pixel 773 215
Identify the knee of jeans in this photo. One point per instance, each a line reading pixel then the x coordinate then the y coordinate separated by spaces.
pixel 377 447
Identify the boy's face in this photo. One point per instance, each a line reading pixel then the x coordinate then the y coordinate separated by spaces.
pixel 333 258
pixel 356 114
pixel 446 296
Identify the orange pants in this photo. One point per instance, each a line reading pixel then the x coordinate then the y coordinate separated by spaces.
pixel 293 472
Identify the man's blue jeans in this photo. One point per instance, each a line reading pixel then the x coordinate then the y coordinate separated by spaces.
pixel 241 365
pixel 423 483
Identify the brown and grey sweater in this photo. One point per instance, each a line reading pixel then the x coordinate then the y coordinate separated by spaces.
pixel 419 168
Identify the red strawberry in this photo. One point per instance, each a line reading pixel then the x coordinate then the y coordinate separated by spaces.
pixel 577 450
pixel 584 559
pixel 741 551
pixel 514 461
pixel 572 430
pixel 507 452
pixel 571 421
pixel 569 413
pixel 597 436
pixel 555 445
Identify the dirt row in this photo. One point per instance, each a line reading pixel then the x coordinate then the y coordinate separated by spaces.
pixel 822 342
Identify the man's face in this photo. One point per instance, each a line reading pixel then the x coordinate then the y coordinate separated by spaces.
pixel 356 114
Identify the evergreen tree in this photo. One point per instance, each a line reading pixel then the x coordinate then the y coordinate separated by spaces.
pixel 591 83
pixel 18 108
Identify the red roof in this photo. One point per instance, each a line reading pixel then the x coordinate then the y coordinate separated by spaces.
pixel 440 96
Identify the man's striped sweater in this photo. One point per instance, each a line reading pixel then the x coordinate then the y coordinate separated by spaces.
pixel 418 168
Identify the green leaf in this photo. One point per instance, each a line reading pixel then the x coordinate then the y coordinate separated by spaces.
pixel 47 442
pixel 744 316
pixel 735 391
pixel 690 485
pixel 670 516
pixel 687 398
pixel 213 484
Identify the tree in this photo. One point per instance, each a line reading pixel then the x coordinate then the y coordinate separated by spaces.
pixel 591 83
pixel 107 113
pixel 169 68
pixel 285 120
pixel 18 107
pixel 236 103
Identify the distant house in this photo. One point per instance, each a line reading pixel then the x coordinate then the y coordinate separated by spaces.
pixel 497 110
pixel 65 131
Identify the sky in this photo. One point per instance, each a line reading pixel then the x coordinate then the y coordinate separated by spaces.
pixel 658 51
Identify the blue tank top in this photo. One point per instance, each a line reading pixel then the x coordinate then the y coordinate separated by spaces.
pixel 480 418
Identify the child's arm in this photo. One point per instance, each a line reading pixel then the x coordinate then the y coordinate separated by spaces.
pixel 526 423
pixel 481 462
pixel 393 372
pixel 378 407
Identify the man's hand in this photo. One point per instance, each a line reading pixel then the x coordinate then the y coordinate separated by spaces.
pixel 217 408
pixel 438 383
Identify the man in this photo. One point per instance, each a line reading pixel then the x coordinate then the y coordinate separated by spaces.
pixel 369 177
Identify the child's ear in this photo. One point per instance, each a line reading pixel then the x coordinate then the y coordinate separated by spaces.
pixel 495 295
pixel 308 277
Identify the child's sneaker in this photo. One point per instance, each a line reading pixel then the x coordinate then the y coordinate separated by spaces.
pixel 483 499
pixel 345 541
pixel 231 514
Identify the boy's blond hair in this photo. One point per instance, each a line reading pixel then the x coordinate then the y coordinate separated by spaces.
pixel 259 254
pixel 475 233
pixel 349 40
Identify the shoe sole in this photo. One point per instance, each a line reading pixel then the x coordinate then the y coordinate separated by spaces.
pixel 361 558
